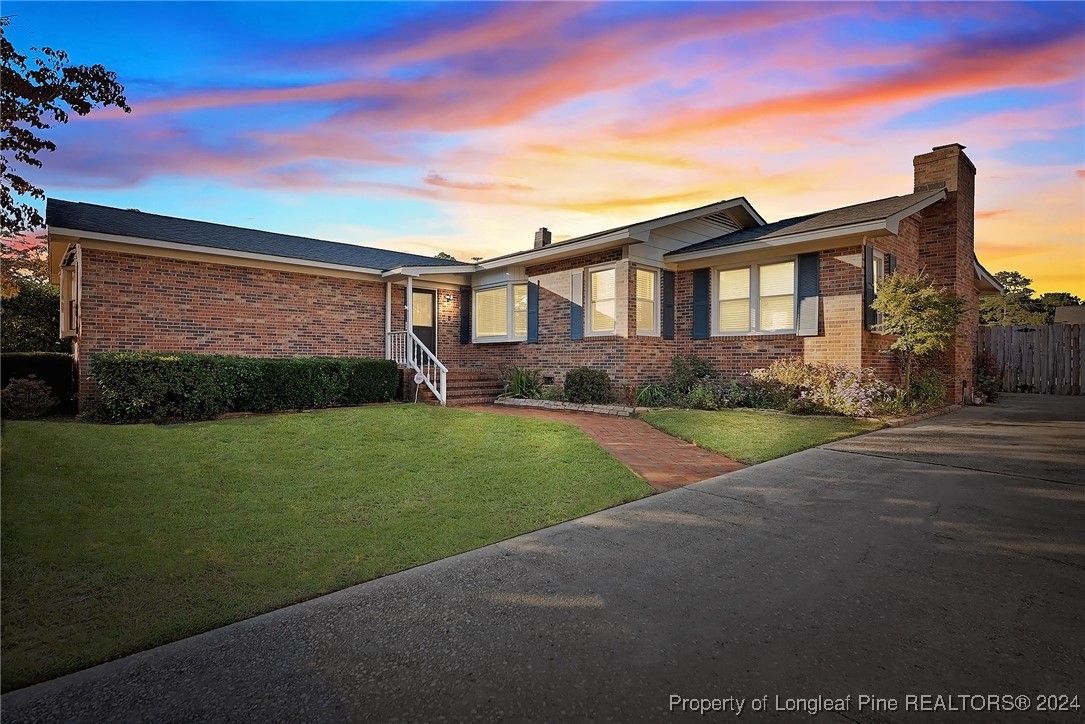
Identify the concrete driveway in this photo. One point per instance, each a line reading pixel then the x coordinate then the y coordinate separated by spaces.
pixel 946 558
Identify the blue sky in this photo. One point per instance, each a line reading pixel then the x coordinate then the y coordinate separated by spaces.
pixel 463 127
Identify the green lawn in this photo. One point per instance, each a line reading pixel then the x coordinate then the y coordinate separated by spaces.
pixel 754 436
pixel 119 538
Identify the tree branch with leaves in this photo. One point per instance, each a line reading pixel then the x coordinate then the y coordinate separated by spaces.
pixel 37 91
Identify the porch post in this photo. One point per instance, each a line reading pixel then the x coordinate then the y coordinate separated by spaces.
pixel 410 305
pixel 387 320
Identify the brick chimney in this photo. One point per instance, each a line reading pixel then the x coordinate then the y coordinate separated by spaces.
pixel 542 237
pixel 947 248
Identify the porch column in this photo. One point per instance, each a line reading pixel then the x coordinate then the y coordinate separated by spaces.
pixel 410 305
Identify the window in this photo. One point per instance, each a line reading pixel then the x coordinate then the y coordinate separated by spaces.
pixel 879 277
pixel 601 300
pixel 777 290
pixel 491 312
pixel 647 301
pixel 757 298
pixel 69 304
pixel 734 310
pixel 519 311
pixel 501 313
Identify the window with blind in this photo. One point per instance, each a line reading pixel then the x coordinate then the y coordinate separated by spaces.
pixel 519 311
pixel 601 301
pixel 757 298
pixel 492 312
pixel 501 313
pixel 777 292
pixel 734 300
pixel 647 301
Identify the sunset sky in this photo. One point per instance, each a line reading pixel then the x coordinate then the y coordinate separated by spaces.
pixel 461 127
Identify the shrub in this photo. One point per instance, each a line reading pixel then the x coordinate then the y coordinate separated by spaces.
pixel 755 393
pixel 686 372
pixel 175 387
pixel 928 389
pixel 522 383
pixel 987 375
pixel 587 386
pixel 704 396
pixel 25 399
pixel 652 396
pixel 55 369
pixel 827 389
pixel 554 393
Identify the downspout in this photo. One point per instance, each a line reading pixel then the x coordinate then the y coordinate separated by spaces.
pixel 388 320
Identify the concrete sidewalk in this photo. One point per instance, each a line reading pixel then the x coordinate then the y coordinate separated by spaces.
pixel 855 569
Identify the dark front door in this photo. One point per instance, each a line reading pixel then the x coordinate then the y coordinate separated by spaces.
pixel 424 317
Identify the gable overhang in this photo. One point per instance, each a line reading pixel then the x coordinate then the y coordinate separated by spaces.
pixel 739 209
pixel 449 275
pixel 133 244
pixel 986 284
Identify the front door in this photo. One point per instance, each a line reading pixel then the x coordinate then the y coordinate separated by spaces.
pixel 424 317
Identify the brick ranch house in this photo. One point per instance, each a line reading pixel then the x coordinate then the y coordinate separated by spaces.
pixel 716 281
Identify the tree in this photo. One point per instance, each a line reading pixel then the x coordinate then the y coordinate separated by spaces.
pixel 23 257
pixel 36 93
pixel 31 318
pixel 1017 305
pixel 923 317
pixel 1050 301
pixel 445 255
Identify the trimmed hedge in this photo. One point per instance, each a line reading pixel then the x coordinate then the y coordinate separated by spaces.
pixel 587 386
pixel 55 369
pixel 140 386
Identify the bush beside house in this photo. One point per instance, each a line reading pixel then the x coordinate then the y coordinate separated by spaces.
pixel 137 386
pixel 53 369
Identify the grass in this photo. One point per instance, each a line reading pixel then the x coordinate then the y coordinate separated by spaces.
pixel 754 436
pixel 119 538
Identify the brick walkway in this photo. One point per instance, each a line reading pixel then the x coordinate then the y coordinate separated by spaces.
pixel 663 461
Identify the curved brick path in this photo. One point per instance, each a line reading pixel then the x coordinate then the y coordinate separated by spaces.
pixel 663 461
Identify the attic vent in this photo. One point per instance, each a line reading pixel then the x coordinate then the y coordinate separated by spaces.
pixel 136 210
pixel 721 220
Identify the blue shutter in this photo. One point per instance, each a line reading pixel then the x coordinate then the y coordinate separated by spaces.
pixel 890 263
pixel 532 313
pixel 668 305
pixel 465 315
pixel 807 296
pixel 576 309
pixel 870 317
pixel 700 304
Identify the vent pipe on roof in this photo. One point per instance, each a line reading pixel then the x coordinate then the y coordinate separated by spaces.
pixel 542 237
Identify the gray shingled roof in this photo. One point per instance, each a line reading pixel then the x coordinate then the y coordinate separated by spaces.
pixel 108 220
pixel 845 216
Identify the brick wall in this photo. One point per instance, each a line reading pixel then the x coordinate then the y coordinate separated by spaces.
pixel 132 302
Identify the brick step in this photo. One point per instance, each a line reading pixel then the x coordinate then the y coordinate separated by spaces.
pixel 450 385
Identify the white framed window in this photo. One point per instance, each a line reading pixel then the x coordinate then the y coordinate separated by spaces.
pixel 879 277
pixel 500 313
pixel 755 299
pixel 602 301
pixel 69 302
pixel 647 302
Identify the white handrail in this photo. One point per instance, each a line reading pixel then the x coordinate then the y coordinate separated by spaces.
pixel 405 348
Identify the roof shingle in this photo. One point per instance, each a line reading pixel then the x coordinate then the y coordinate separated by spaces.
pixel 844 216
pixel 108 220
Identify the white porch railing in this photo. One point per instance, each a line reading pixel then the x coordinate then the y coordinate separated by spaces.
pixel 408 350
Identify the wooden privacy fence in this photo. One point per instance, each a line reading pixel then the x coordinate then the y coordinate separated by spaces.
pixel 1044 359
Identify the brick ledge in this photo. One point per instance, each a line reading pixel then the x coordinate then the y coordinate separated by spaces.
pixel 618 410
